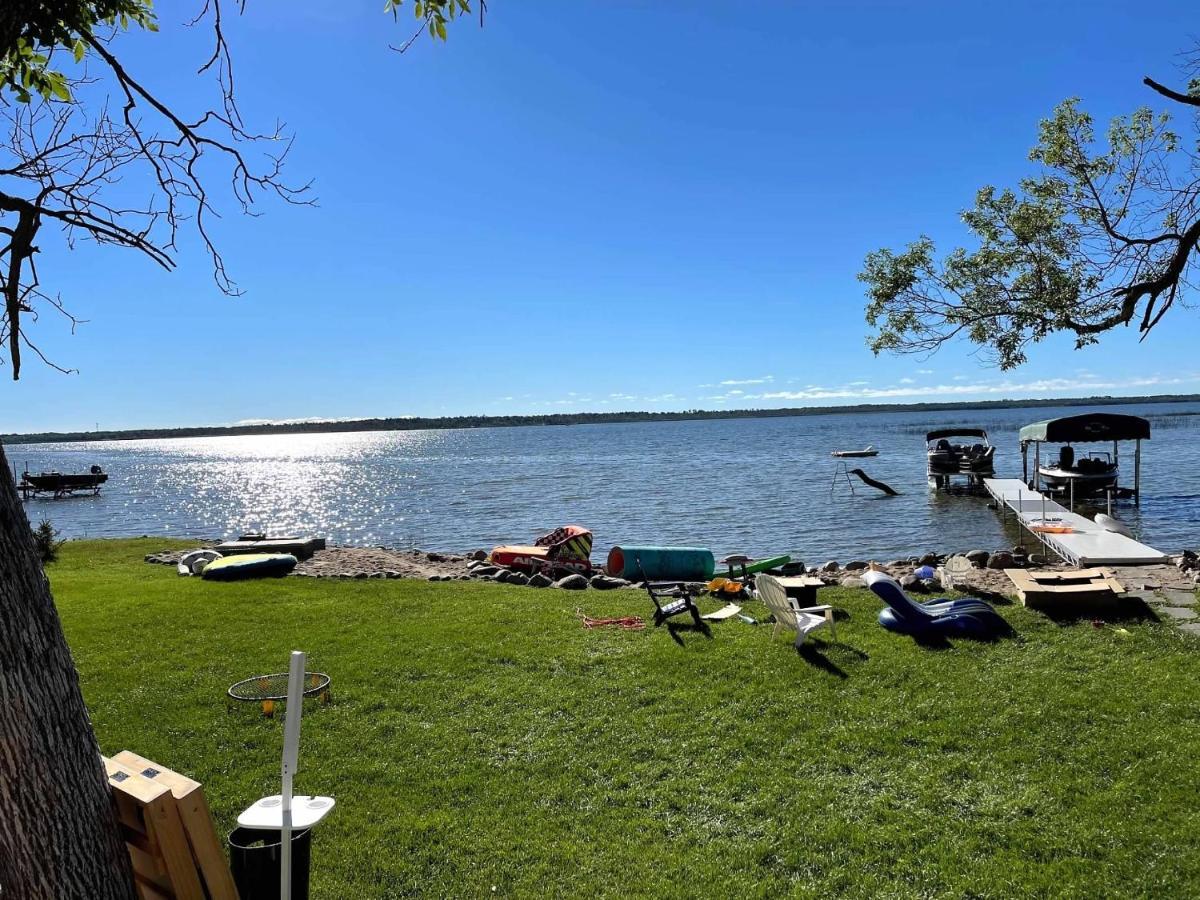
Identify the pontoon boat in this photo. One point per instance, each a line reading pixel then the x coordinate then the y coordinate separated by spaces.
pixel 946 458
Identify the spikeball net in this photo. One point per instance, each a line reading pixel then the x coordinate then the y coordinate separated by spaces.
pixel 267 689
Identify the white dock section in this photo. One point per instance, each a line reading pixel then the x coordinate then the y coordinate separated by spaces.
pixel 1088 545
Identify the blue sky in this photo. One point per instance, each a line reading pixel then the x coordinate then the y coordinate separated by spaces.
pixel 594 206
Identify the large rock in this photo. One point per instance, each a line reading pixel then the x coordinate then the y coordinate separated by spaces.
pixel 852 581
pixel 539 581
pixel 1001 559
pixel 485 571
pixel 929 559
pixel 607 582
pixel 518 578
pixel 478 555
pixel 912 583
pixel 831 566
pixel 856 566
pixel 978 558
pixel 572 583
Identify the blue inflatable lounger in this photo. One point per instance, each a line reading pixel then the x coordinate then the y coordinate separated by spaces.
pixel 937 618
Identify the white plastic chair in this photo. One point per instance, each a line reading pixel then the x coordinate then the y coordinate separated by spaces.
pixel 789 614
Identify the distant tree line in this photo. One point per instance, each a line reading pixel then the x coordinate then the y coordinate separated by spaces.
pixel 581 418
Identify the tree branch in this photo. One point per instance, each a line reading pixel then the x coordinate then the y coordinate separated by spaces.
pixel 1170 94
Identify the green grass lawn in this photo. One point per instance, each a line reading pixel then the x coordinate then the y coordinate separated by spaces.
pixel 481 742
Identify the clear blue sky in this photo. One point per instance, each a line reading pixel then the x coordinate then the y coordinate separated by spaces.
pixel 592 206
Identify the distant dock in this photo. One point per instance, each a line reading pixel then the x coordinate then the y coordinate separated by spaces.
pixel 1087 545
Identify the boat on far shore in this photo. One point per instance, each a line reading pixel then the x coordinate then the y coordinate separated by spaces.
pixel 855 454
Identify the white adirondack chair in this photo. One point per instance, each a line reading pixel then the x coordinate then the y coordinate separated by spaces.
pixel 789 614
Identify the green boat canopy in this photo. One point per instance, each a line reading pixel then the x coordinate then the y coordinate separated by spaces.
pixel 1087 427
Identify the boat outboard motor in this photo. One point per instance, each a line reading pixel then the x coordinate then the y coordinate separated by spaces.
pixel 1066 457
pixel 96 470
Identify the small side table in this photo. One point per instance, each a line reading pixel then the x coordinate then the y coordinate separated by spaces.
pixel 803 587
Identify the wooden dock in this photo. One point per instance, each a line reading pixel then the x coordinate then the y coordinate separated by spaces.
pixel 301 548
pixel 1086 545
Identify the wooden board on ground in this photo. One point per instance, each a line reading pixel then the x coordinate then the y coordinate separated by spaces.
pixel 163 866
pixel 1072 589
pixel 197 823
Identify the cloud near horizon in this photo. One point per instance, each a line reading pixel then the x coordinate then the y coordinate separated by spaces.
pixel 958 389
pixel 766 379
pixel 904 389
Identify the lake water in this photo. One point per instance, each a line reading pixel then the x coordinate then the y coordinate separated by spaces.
pixel 758 486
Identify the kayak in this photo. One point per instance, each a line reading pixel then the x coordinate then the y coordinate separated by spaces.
pixel 249 565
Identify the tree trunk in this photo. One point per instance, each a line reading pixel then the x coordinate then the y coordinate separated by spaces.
pixel 58 827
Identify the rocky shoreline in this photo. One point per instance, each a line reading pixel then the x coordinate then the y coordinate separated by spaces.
pixel 987 576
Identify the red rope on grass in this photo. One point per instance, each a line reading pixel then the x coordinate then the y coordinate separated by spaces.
pixel 629 623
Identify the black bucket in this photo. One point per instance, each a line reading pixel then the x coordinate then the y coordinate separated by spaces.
pixel 254 860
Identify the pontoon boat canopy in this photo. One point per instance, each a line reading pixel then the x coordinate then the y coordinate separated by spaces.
pixel 955 432
pixel 1087 427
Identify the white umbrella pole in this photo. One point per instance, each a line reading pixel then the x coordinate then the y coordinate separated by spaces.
pixel 291 753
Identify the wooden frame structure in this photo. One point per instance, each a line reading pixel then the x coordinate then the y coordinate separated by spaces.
pixel 1066 591
pixel 168 830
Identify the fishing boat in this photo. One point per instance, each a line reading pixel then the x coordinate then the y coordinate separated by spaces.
pixel 946 457
pixel 856 454
pixel 1091 473
pixel 1081 474
pixel 61 484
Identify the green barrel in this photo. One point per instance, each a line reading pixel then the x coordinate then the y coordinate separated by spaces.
pixel 661 563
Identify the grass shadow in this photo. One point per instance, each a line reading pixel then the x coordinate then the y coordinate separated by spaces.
pixel 674 628
pixel 1123 609
pixel 813 655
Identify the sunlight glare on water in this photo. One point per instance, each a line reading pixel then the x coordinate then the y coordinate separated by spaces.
pixel 758 486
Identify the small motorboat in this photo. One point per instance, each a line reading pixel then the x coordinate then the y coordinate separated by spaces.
pixel 62 485
pixel 947 458
pixel 1089 474
pixel 855 454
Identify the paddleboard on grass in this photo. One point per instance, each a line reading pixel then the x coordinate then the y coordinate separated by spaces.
pixel 249 565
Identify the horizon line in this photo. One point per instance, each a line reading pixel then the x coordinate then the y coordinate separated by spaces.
pixel 318 425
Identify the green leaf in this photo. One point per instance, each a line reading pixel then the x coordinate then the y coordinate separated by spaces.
pixel 80 49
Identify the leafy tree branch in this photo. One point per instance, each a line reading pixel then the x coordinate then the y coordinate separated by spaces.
pixel 1105 235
